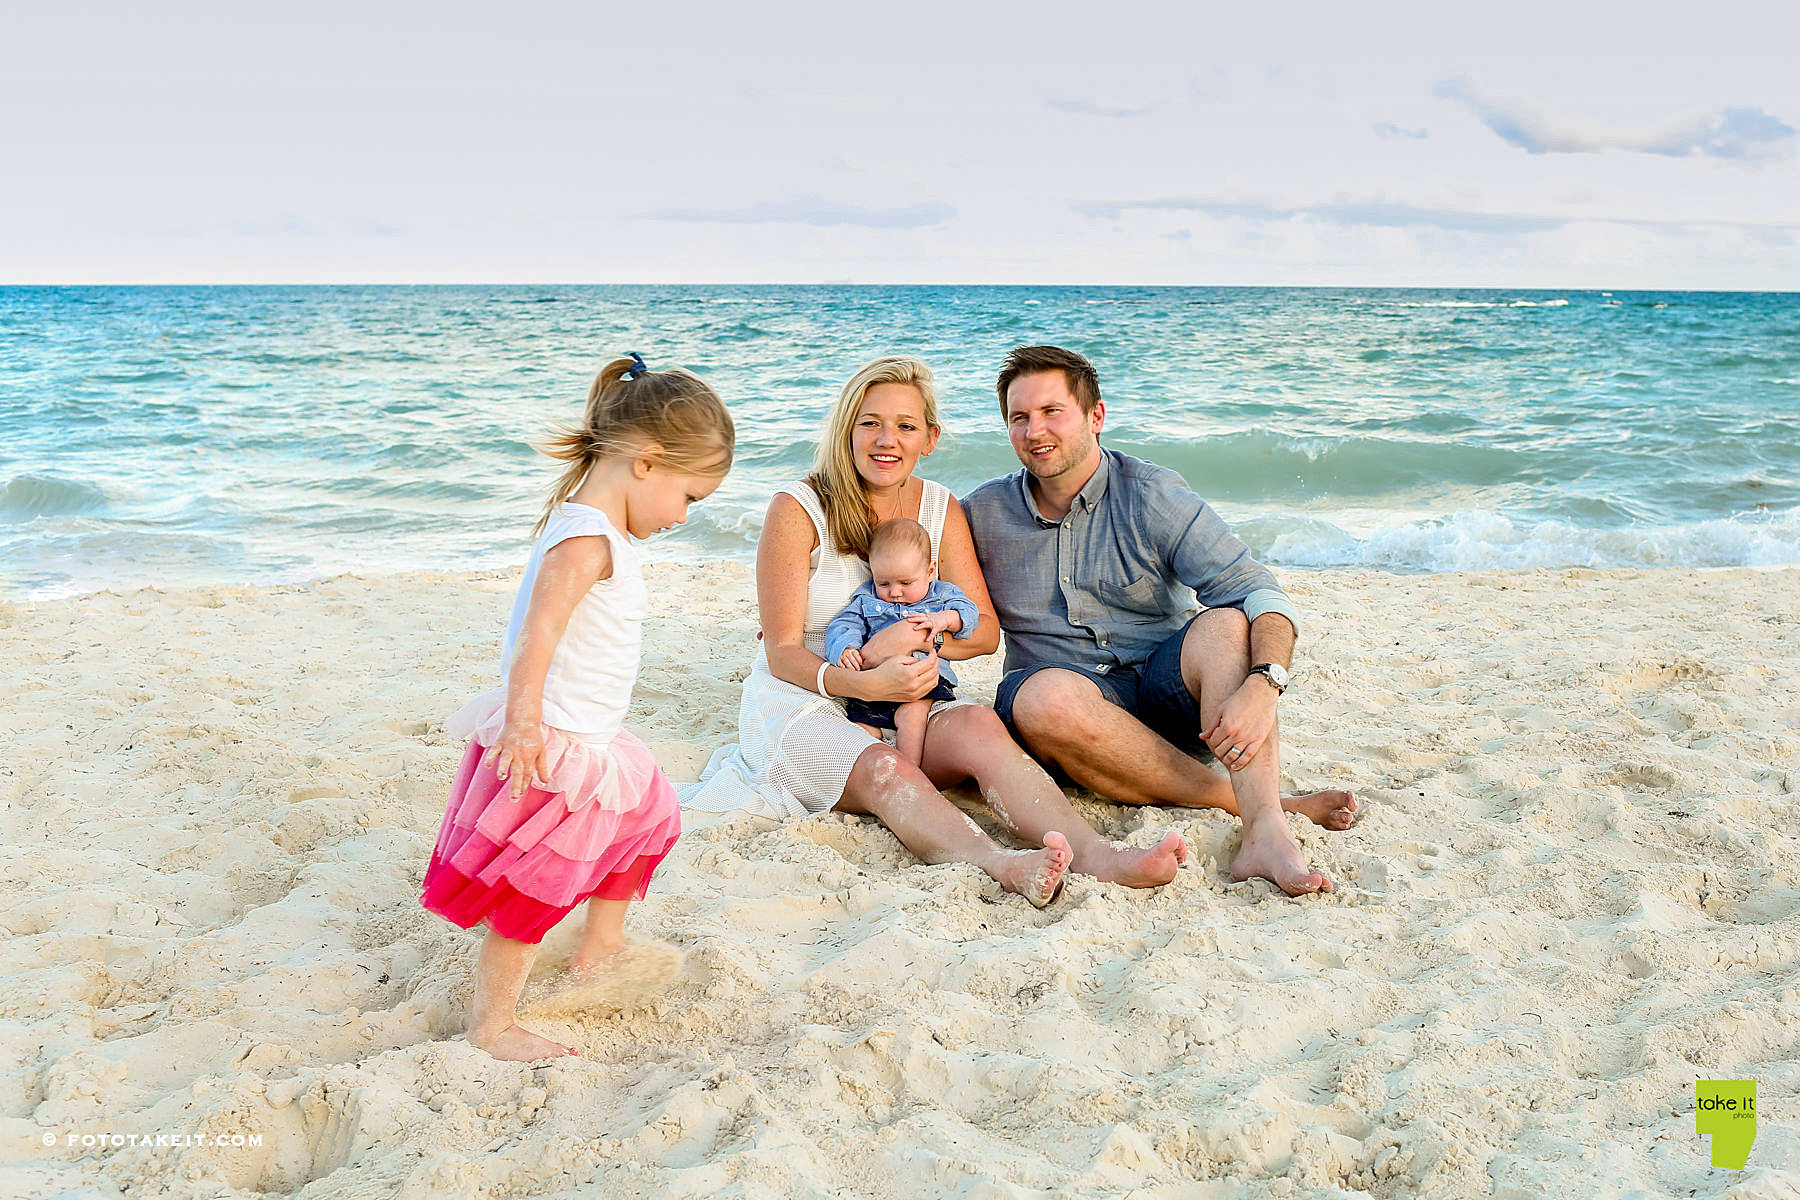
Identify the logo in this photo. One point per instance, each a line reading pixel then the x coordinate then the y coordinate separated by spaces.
pixel 1726 1109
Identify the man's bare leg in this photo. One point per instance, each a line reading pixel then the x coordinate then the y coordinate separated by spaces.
pixel 885 786
pixel 970 742
pixel 1215 662
pixel 1066 722
pixel 909 729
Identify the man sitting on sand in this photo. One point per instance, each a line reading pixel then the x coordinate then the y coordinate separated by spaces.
pixel 1111 678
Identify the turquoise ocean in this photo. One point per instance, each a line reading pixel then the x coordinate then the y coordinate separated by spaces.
pixel 171 436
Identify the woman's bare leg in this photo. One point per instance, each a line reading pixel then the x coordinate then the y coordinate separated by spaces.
pixel 885 786
pixel 493 1016
pixel 970 742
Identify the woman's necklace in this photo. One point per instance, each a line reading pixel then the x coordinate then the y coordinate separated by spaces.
pixel 899 499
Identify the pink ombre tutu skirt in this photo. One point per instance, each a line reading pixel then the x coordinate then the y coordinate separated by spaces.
pixel 600 829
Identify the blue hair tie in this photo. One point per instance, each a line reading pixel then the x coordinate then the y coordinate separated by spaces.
pixel 637 368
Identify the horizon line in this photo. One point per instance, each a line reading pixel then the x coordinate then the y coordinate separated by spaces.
pixel 842 283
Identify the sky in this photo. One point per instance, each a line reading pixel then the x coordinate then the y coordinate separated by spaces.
pixel 1648 145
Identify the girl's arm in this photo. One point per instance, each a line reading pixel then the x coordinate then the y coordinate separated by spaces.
pixel 567 571
pixel 957 564
pixel 783 566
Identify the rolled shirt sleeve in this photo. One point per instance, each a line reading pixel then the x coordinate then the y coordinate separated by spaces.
pixel 1204 554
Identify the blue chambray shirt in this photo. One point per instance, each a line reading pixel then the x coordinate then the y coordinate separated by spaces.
pixel 1116 577
pixel 867 614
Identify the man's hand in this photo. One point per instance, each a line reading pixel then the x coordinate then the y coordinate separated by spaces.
pixel 851 659
pixel 1244 724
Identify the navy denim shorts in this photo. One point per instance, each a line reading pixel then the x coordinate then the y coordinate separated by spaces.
pixel 880 713
pixel 1152 691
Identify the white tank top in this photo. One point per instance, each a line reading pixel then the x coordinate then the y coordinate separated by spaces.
pixel 835 574
pixel 591 675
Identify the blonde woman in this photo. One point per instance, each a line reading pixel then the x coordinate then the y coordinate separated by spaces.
pixel 798 754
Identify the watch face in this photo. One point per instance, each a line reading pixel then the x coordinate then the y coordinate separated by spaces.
pixel 1279 674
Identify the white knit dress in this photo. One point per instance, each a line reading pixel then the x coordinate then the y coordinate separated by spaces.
pixel 795 748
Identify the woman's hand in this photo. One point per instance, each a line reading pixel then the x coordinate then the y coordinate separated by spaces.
pixel 900 679
pixel 896 641
pixel 518 755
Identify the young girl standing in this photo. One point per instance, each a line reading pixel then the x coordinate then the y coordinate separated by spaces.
pixel 557 803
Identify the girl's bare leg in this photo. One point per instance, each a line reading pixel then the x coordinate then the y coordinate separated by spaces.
pixel 493 1016
pixel 885 786
pixel 970 741
pixel 603 937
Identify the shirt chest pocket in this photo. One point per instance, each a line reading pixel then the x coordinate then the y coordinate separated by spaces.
pixel 1142 596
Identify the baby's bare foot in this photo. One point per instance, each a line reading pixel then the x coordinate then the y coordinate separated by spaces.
pixel 516 1043
pixel 1335 810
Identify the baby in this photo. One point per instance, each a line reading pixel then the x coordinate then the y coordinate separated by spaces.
pixel 904 587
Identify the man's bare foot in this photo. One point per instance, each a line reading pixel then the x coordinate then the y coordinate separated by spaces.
pixel 1036 874
pixel 1273 854
pixel 1333 810
pixel 516 1043
pixel 1144 868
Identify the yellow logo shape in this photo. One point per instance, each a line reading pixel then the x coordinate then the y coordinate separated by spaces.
pixel 1726 1109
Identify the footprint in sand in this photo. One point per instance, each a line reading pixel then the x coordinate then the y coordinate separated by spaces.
pixel 634 974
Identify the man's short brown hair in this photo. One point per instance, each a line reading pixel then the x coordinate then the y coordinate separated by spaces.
pixel 1078 372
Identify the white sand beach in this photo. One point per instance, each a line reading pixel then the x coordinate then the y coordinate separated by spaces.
pixel 1572 894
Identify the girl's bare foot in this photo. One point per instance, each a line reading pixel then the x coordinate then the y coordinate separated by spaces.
pixel 589 961
pixel 516 1043
pixel 1333 810
pixel 1273 854
pixel 1036 874
pixel 1144 868
pixel 607 981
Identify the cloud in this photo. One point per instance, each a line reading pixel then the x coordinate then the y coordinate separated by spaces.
pixel 1389 129
pixel 1089 108
pixel 1387 215
pixel 1365 212
pixel 1733 133
pixel 811 210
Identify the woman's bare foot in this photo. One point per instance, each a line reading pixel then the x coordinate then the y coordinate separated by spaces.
pixel 1333 810
pixel 1270 852
pixel 1145 868
pixel 1036 874
pixel 516 1043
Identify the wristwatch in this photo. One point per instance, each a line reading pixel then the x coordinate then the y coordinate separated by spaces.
pixel 1275 673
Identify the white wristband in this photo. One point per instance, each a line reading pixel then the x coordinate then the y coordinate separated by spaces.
pixel 819 687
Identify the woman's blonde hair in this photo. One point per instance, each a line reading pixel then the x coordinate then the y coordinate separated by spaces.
pixel 834 476
pixel 626 415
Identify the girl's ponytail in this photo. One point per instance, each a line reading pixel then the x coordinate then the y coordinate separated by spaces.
pixel 629 409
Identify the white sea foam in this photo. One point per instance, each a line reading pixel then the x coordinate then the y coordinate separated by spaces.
pixel 1482 540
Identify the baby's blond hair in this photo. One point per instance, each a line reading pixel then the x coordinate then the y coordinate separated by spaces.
pixel 900 533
